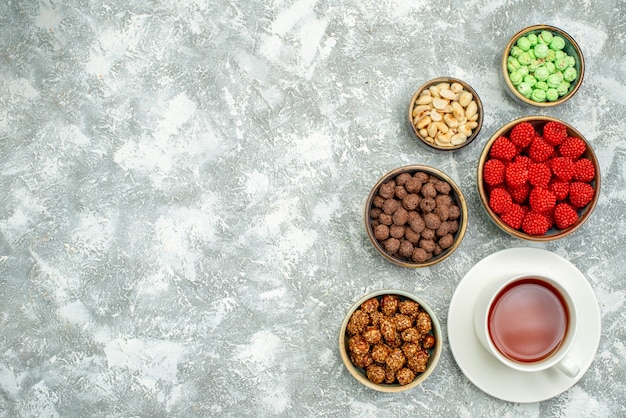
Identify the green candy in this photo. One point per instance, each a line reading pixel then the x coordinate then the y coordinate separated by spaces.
pixel 525 89
pixel 563 88
pixel 530 80
pixel 557 43
pixel 516 77
pixel 523 70
pixel 546 36
pixel 571 61
pixel 561 64
pixel 541 85
pixel 542 73
pixel 552 95
pixel 559 55
pixel 551 67
pixel 524 58
pixel 551 55
pixel 532 38
pixel 515 51
pixel 554 80
pixel 538 95
pixel 512 64
pixel 523 43
pixel 541 50
pixel 570 74
pixel 534 64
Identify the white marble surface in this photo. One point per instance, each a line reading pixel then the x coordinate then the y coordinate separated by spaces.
pixel 179 227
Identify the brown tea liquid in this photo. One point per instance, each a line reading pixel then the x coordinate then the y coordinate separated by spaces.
pixel 528 320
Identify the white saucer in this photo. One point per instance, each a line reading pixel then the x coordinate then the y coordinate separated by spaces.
pixel 480 367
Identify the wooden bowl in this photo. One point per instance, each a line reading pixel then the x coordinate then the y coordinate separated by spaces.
pixel 456 196
pixel 571 48
pixel 359 373
pixel 553 234
pixel 435 143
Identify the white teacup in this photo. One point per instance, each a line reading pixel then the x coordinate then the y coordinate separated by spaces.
pixel 528 323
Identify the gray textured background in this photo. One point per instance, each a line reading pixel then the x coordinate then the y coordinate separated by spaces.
pixel 181 181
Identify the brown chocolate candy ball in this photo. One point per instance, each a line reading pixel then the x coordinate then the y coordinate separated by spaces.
pixel 413 185
pixel 421 176
pixel 417 224
pixel 387 190
pixel 390 206
pixel 401 192
pixel 427 244
pixel 396 231
pixel 429 190
pixel 385 219
pixel 427 204
pixel 402 178
pixel 381 232
pixel 400 216
pixel 406 247
pixel 378 201
pixel 454 212
pixel 446 241
pixel 432 221
pixel 411 201
pixel 442 187
pixel 420 255
pixel 428 233
pixel 411 236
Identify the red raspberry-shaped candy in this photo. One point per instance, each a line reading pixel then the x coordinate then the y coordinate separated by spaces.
pixel 541 200
pixel 564 215
pixel 500 200
pixel 521 158
pixel 520 194
pixel 536 223
pixel 522 134
pixel 580 194
pixel 539 174
pixel 560 189
pixel 562 167
pixel 540 150
pixel 516 174
pixel 503 149
pixel 572 147
pixel 554 132
pixel 493 172
pixel 584 170
pixel 514 216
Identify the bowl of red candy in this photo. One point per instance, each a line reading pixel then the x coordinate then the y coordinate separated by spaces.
pixel 538 178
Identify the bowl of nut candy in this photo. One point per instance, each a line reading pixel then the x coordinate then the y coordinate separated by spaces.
pixel 446 113
pixel 542 66
pixel 415 216
pixel 538 178
pixel 390 340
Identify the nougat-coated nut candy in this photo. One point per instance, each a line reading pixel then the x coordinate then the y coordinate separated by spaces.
pixel 405 376
pixel 375 373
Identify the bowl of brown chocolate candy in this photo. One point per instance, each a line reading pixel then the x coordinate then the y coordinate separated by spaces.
pixel 390 340
pixel 415 216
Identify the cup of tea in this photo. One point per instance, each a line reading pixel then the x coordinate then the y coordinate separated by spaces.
pixel 528 323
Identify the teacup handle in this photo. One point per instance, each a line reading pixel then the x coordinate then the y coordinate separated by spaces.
pixel 568 366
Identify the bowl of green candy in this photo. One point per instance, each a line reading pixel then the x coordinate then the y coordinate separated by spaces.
pixel 542 66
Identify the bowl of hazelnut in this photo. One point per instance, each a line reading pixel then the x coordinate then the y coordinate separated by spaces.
pixel 390 340
pixel 538 178
pixel 445 113
pixel 415 216
pixel 542 66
